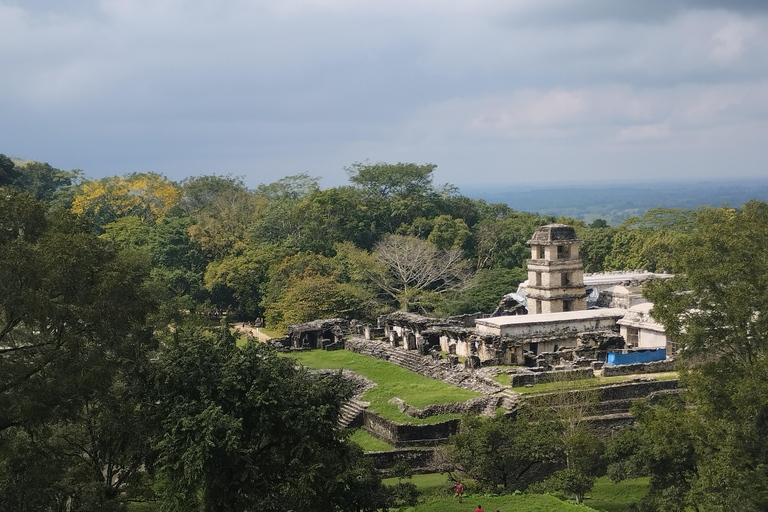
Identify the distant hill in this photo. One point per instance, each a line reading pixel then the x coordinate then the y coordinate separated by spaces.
pixel 616 202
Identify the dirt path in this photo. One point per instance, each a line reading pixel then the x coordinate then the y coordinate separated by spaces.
pixel 253 332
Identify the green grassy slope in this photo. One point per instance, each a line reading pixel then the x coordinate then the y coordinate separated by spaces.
pixel 392 381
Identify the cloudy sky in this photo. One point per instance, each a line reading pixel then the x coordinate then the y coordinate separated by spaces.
pixel 492 91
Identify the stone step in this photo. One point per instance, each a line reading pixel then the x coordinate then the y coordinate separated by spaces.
pixel 351 413
pixel 490 409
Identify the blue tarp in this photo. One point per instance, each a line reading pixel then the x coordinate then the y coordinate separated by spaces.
pixel 637 356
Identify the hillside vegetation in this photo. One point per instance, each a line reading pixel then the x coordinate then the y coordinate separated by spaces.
pixel 120 382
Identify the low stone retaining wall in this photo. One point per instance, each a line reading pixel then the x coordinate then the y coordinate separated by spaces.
pixel 615 393
pixel 608 425
pixel 402 435
pixel 421 460
pixel 610 370
pixel 476 405
pixel 531 378
pixel 635 390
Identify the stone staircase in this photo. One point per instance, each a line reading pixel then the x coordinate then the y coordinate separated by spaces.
pixel 509 399
pixel 408 360
pixel 352 413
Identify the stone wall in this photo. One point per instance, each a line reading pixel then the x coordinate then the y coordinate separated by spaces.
pixel 420 460
pixel 617 393
pixel 530 378
pixel 401 435
pixel 610 370
pixel 476 405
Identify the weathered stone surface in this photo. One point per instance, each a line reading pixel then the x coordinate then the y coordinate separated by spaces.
pixel 401 435
pixel 427 366
pixel 526 377
pixel 477 405
pixel 419 459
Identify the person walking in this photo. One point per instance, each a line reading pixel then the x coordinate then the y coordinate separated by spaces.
pixel 459 490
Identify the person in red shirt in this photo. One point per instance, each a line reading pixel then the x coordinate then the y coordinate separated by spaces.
pixel 479 509
pixel 459 490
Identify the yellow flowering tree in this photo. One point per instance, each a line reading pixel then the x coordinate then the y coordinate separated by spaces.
pixel 148 196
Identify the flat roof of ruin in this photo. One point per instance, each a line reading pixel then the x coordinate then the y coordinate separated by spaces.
pixel 619 277
pixel 547 318
pixel 557 234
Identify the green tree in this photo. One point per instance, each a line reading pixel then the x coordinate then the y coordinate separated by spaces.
pixel 501 451
pixel 280 220
pixel 46 182
pixel 580 448
pixel 332 216
pixel 309 286
pixel 223 227
pixel 198 192
pixel 392 180
pixel 396 194
pixel 483 292
pixel 713 309
pixel 73 350
pixel 8 172
pixel 449 233
pixel 661 445
pixel 245 429
pixel 238 281
pixel 502 242
pixel 597 245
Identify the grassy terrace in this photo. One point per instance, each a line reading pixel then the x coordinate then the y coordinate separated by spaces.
pixel 605 496
pixel 369 443
pixel 526 502
pixel 504 379
pixel 391 381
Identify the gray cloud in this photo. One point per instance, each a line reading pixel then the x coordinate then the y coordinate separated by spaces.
pixel 271 88
pixel 645 12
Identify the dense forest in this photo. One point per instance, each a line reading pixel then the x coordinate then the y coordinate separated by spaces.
pixel 116 387
pixel 290 252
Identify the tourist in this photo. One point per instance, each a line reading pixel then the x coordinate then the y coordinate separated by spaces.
pixel 459 490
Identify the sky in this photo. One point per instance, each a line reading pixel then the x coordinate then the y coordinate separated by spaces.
pixel 491 91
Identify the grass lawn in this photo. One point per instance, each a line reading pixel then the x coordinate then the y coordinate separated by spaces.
pixel 369 443
pixel 423 482
pixel 392 381
pixel 516 502
pixel 607 496
pixel 586 383
pixel 272 333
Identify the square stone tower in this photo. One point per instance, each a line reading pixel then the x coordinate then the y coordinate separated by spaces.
pixel 555 271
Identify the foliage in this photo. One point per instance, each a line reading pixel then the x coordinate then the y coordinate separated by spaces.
pixel 308 286
pixel 501 241
pixel 711 456
pixel 148 196
pixel 199 192
pixel 392 180
pixel 73 361
pixel 526 502
pixel 223 227
pixel 483 292
pixel 44 182
pixel 661 446
pixel 246 429
pixel 416 268
pixel 501 451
